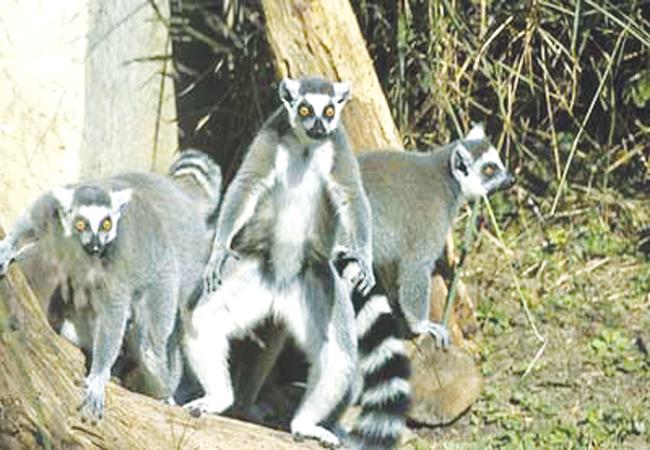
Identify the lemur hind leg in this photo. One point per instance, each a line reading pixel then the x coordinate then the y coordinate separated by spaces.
pixel 326 333
pixel 159 369
pixel 242 301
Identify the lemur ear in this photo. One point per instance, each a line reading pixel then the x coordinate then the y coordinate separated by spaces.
pixel 461 159
pixel 342 91
pixel 64 197
pixel 119 199
pixel 477 133
pixel 289 90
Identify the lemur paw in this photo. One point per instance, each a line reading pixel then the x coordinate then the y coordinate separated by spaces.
pixel 439 333
pixel 354 269
pixel 212 273
pixel 300 431
pixel 206 404
pixel 92 406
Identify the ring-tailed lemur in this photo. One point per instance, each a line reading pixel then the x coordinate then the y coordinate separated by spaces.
pixel 295 216
pixel 414 198
pixel 120 250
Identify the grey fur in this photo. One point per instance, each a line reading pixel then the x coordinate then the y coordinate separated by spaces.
pixel 295 207
pixel 414 199
pixel 146 274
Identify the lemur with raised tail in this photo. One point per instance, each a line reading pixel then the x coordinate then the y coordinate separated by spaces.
pixel 130 247
pixel 293 239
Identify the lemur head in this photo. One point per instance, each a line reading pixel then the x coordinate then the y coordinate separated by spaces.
pixel 91 215
pixel 314 105
pixel 477 167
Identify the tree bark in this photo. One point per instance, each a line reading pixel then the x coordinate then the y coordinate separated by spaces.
pixel 41 385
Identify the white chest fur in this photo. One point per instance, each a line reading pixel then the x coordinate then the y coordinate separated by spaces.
pixel 300 184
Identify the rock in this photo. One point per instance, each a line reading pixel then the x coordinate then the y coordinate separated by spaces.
pixel 445 383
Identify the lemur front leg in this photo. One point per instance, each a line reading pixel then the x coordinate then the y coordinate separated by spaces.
pixel 414 300
pixel 253 179
pixel 109 333
pixel 354 269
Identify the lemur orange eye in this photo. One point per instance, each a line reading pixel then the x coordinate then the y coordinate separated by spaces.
pixel 329 111
pixel 304 111
pixel 489 169
pixel 107 224
pixel 80 225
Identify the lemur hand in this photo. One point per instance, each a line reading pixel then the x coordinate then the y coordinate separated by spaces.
pixel 354 268
pixel 212 274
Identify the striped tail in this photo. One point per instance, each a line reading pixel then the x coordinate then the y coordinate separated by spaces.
pixel 206 174
pixel 385 368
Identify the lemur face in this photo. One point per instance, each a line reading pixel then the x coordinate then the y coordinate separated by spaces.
pixel 477 166
pixel 314 105
pixel 91 215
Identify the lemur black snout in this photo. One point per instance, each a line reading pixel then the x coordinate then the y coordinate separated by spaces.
pixel 94 247
pixel 318 130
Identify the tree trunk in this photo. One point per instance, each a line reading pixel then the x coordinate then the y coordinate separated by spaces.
pixel 41 385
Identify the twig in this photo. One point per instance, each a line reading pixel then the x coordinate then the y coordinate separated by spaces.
pixel 496 242
pixel 593 265
pixel 469 236
pixel 537 356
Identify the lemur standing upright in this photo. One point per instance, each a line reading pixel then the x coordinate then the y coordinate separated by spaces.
pixel 295 218
pixel 414 198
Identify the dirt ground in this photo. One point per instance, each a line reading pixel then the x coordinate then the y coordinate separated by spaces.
pixel 585 277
